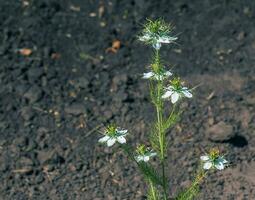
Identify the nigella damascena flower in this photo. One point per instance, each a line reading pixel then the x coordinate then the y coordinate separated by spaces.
pixel 144 154
pixel 156 33
pixel 163 74
pixel 113 134
pixel 213 160
pixel 175 91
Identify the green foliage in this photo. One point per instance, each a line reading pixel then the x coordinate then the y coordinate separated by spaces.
pixel 171 120
pixel 158 26
pixel 150 173
pixel 153 193
pixel 190 193
pixel 129 151
pixel 153 93
pixel 154 139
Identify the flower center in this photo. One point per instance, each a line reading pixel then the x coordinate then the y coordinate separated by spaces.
pixel 141 149
pixel 214 154
pixel 158 69
pixel 157 27
pixel 111 130
pixel 176 83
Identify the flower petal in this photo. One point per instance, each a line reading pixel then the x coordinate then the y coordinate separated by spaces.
pixel 204 158
pixel 221 159
pixel 174 97
pixel 207 165
pixel 144 38
pixel 111 142
pixel 163 40
pixel 146 158
pixel 167 39
pixel 121 139
pixel 173 38
pixel 168 73
pixel 104 139
pixel 156 45
pixel 219 165
pixel 170 87
pixel 167 94
pixel 187 93
pixel 139 158
pixel 122 132
pixel 153 154
pixel 148 75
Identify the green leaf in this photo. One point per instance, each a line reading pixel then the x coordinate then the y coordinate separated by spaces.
pixel 153 193
pixel 171 120
pixel 150 173
pixel 190 193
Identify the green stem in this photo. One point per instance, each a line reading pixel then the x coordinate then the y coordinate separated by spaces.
pixel 188 193
pixel 164 180
pixel 153 191
pixel 161 134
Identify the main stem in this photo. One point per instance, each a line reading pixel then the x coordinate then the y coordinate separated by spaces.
pixel 161 134
pixel 153 191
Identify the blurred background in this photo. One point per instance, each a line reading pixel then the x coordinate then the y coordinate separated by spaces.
pixel 69 67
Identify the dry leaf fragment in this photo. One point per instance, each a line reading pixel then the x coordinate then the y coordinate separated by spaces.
pixel 55 56
pixel 102 24
pixel 100 11
pixel 23 170
pixel 92 14
pixel 211 95
pixel 177 50
pixel 25 52
pixel 25 3
pixel 75 8
pixel 115 46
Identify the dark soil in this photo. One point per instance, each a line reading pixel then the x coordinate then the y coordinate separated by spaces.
pixel 54 99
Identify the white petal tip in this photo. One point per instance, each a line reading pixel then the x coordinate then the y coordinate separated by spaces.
pixel 207 165
pixel 121 139
pixel 111 142
pixel 104 139
pixel 174 98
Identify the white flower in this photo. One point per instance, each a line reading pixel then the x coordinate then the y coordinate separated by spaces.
pixel 145 157
pixel 113 135
pixel 216 162
pixel 176 93
pixel 156 33
pixel 157 76
pixel 156 39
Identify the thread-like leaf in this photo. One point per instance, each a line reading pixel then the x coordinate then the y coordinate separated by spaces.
pixel 154 138
pixel 171 120
pixel 153 93
pixel 150 173
pixel 190 193
pixel 153 193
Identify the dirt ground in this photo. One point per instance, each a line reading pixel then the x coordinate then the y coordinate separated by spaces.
pixel 60 81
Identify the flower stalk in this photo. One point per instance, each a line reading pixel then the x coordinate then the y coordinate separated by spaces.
pixel 161 135
pixel 156 33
